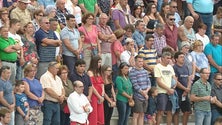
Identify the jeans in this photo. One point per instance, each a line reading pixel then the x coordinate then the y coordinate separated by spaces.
pixel 108 111
pixel 64 118
pixel 207 20
pixel 69 61
pixel 51 113
pixel 202 117
pixel 12 120
pixel 123 112
pixel 215 114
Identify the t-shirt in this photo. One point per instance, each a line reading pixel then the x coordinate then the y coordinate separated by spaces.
pixel 22 102
pixel 89 4
pixel 6 88
pixel 4 43
pixel 165 73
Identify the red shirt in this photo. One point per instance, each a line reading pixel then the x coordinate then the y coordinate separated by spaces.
pixel 171 36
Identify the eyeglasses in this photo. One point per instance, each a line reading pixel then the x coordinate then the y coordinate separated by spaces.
pixel 46 22
pixel 174 6
pixel 205 73
pixel 40 15
pixel 153 7
pixel 80 86
pixel 91 18
pixel 109 70
pixel 172 19
pixel 219 79
pixel 64 72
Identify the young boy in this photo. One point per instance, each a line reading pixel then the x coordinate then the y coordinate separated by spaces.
pixel 22 106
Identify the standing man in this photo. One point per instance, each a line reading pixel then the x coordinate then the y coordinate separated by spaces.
pixel 71 43
pixel 164 74
pixel 183 88
pixel 7 98
pixel 200 95
pixel 141 86
pixel 107 37
pixel 139 34
pixel 173 10
pixel 213 52
pixel 149 55
pixel 202 10
pixel 54 95
pixel 46 42
pixel 80 75
pixel 61 13
pixel 89 6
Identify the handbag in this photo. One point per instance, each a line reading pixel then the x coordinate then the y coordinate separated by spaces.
pixel 94 49
pixel 131 102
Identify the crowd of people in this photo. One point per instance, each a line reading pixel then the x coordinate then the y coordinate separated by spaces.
pixel 70 62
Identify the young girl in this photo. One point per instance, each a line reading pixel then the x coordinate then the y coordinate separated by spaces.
pixel 22 106
pixel 151 116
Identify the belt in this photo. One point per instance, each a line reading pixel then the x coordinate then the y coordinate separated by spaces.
pixel 203 13
pixel 8 61
pixel 51 101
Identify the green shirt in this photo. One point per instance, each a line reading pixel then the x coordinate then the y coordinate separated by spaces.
pixel 199 89
pixel 123 85
pixel 4 43
pixel 89 5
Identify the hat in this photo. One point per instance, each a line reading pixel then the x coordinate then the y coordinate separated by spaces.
pixel 119 32
pixel 184 43
pixel 25 1
pixel 129 40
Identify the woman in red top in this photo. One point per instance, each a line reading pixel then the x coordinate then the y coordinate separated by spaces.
pixel 96 117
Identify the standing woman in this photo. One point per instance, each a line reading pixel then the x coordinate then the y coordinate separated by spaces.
pixel 165 9
pixel 124 94
pixel 110 96
pixel 67 84
pixel 35 93
pixel 91 45
pixel 96 117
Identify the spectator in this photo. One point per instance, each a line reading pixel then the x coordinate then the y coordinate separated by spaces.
pixel 7 97
pixel 164 74
pixel 183 88
pixel 110 96
pixel 8 55
pixel 4 116
pixel 212 50
pixel 124 94
pixel 200 95
pixel 61 13
pixel 215 91
pixel 4 17
pixel 46 42
pixel 79 109
pixel 33 6
pixel 139 34
pixel 218 121
pixel 165 9
pixel 50 11
pixel 89 6
pixel 200 35
pixel 141 86
pixel 149 55
pixel 129 28
pixel 202 10
pixel 104 6
pixel 151 18
pixel 54 95
pixel 37 15
pixel 67 85
pixel 159 39
pixel 72 44
pixel 80 75
pixel 94 72
pixel 29 47
pixel 22 105
pixel 199 58
pixel 21 13
pixel 45 3
pixel 137 13
pixel 185 32
pixel 107 37
pixel 217 21
pixel 173 10
pixel 91 45
pixel 151 109
pixel 35 93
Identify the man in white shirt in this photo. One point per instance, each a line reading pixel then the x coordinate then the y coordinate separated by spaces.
pixel 79 110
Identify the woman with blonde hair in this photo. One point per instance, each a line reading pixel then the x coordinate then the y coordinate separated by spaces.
pixel 4 20
pixel 199 57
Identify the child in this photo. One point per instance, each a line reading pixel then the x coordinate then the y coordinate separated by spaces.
pixel 22 106
pixel 152 106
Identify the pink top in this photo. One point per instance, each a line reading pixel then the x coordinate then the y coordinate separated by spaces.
pixel 116 46
pixel 90 37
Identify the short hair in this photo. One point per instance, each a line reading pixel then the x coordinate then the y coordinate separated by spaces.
pixel 3 111
pixel 81 33
pixel 37 12
pixel 148 36
pixel 217 74
pixel 62 67
pixel 202 26
pixel 202 70
pixel 215 35
pixel 129 26
pixel 43 18
pixel 3 9
pixel 177 54
pixel 80 62
pixel 14 21
pixel 138 23
pixel 86 16
pixel 18 83
pixel 28 68
pixel 164 54
pixel 75 83
pixel 51 64
pixel 218 121
pixel 169 14
pixel 197 43
pixel 53 20
pixel 3 68
pixel 138 57
pixel 152 90
pixel 69 16
pixel 219 10
pixel 159 25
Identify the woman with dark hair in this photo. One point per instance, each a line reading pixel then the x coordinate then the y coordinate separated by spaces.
pixel 137 13
pixel 110 96
pixel 164 10
pixel 124 94
pixel 96 117
pixel 151 18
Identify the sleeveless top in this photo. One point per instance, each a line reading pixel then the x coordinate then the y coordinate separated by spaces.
pixel 108 89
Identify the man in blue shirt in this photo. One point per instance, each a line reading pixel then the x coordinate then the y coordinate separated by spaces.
pixel 139 34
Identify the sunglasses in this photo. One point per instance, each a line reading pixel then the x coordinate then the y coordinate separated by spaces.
pixel 172 19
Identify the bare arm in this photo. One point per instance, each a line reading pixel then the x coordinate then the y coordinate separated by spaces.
pixel 51 42
pixel 117 24
pixel 181 34
pixel 84 10
pixel 194 98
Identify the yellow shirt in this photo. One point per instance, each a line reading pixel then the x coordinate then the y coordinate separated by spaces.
pixel 23 16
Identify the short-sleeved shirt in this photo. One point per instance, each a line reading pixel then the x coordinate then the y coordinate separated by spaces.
pixel 216 91
pixel 116 46
pixel 84 79
pixel 119 15
pixel 6 88
pixel 4 43
pixel 89 4
pixel 215 52
pixel 171 36
pixel 165 73
pixel 23 16
pixel 46 53
pixel 202 6
pixel 73 37
pixel 45 3
pixel 200 90
pixel 48 81
pixel 139 38
pixel 90 36
pixel 159 43
pixel 22 102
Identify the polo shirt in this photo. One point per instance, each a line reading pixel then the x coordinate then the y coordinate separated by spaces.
pixel 171 36
pixel 89 4
pixel 202 6
pixel 216 91
pixel 4 43
pixel 6 88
